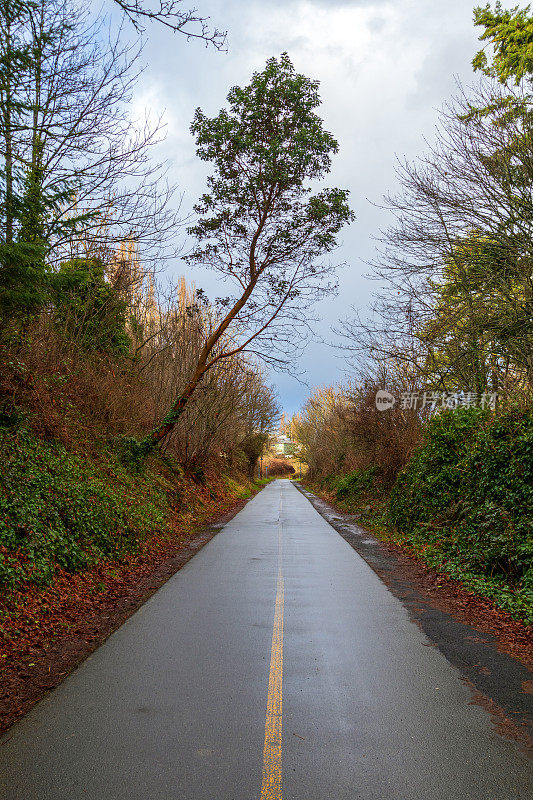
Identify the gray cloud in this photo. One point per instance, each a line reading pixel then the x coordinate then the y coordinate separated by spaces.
pixel 341 3
pixel 385 68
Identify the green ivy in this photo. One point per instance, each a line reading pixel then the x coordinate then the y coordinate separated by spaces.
pixel 464 503
pixel 355 483
pixel 61 509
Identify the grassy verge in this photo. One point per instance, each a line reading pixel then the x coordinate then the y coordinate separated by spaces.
pixel 462 505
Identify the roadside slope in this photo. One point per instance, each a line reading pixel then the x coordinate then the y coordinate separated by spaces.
pixel 174 704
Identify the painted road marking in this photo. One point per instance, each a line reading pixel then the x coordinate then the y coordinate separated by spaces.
pixel 271 786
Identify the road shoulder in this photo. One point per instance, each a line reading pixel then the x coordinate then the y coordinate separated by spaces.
pixel 77 629
pixel 500 683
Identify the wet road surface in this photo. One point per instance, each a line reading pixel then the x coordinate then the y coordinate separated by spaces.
pixel 274 666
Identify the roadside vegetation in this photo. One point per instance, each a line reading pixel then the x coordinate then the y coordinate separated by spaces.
pixel 445 467
pixel 128 399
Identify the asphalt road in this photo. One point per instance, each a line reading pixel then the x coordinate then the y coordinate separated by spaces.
pixel 274 665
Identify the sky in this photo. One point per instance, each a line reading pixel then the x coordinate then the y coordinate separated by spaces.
pixel 385 68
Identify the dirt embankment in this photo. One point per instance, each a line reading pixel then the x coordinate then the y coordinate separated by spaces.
pixel 46 633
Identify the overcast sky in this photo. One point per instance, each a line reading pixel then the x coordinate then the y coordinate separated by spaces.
pixel 385 67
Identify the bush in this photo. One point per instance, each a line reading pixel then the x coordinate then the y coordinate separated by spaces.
pixel 432 480
pixel 23 281
pixel 356 483
pixel 465 502
pixel 89 309
pixel 280 468
pixel 61 509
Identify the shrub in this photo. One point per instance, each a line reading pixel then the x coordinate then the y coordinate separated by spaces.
pixel 430 483
pixel 62 509
pixel 88 308
pixel 465 502
pixel 356 483
pixel 23 281
pixel 280 467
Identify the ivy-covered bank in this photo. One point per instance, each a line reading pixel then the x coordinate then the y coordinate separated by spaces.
pixel 463 504
pixel 68 510
pixel 84 541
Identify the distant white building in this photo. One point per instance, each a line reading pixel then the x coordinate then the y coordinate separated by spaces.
pixel 283 446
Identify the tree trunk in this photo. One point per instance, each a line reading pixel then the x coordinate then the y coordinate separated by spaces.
pixel 7 111
pixel 156 436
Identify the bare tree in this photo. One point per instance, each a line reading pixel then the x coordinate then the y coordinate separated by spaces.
pixel 171 14
pixel 457 264
pixel 83 166
pixel 229 417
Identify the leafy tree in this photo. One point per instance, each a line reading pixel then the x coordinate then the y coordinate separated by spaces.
pixel 21 267
pixel 253 446
pixel 511 35
pixel 480 326
pixel 89 309
pixel 259 226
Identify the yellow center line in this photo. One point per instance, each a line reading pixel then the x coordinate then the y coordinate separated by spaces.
pixel 271 786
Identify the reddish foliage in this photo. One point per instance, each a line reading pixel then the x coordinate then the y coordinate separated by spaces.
pixel 44 634
pixel 280 467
